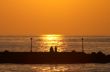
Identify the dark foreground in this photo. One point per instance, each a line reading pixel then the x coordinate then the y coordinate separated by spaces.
pixel 53 57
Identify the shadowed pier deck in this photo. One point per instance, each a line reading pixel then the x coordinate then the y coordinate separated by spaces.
pixel 53 57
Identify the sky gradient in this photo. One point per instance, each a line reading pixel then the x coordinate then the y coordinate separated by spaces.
pixel 67 17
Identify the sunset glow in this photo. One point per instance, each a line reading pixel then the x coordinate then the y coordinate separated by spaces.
pixel 55 35
pixel 52 40
pixel 52 37
pixel 68 17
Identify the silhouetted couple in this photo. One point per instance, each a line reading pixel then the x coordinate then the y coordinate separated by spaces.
pixel 53 49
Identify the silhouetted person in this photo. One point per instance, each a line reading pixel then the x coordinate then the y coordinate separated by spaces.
pixel 51 49
pixel 55 48
pixel 73 51
pixel 6 51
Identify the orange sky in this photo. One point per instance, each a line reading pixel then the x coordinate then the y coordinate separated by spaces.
pixel 68 17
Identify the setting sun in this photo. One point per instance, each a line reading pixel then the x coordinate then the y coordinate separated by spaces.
pixel 52 37
pixel 53 40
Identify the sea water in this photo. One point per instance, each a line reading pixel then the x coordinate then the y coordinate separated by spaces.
pixel 64 43
pixel 92 67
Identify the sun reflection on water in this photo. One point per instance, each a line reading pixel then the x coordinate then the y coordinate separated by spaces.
pixel 52 40
pixel 50 68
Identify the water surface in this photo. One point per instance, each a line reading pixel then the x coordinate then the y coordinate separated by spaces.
pixel 64 43
pixel 55 68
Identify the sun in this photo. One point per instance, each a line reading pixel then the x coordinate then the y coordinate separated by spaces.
pixel 52 37
pixel 52 40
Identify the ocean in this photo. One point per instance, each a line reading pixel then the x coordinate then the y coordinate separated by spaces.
pixel 64 44
pixel 55 67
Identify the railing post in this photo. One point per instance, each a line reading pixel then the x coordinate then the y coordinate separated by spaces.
pixel 82 44
pixel 31 44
